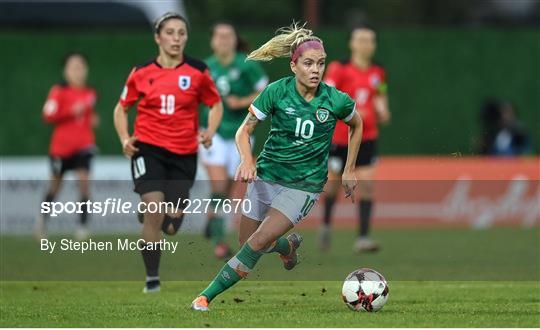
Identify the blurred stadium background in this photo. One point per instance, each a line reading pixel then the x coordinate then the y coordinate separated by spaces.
pixel 444 60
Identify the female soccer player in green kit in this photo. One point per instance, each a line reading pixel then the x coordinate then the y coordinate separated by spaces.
pixel 239 82
pixel 292 169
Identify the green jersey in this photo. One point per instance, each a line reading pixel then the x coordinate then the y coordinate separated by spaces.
pixel 295 154
pixel 240 78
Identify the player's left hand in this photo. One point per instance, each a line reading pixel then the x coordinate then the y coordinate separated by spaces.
pixel 205 138
pixel 246 171
pixel 348 180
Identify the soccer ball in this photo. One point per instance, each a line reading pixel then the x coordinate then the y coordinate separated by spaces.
pixel 365 290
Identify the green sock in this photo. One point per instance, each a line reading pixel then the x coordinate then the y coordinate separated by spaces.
pixel 233 271
pixel 217 223
pixel 217 229
pixel 226 278
pixel 281 246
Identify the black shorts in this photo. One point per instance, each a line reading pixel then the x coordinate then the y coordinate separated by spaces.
pixel 157 169
pixel 80 160
pixel 367 155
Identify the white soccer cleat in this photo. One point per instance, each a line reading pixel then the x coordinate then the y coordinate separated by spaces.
pixel 365 244
pixel 39 228
pixel 200 304
pixel 82 233
pixel 324 238
pixel 154 289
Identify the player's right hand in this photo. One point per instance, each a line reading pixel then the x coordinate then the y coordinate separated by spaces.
pixel 246 172
pixel 349 182
pixel 384 117
pixel 205 138
pixel 128 146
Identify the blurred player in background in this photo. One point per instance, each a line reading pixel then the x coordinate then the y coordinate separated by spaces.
pixel 70 108
pixel 289 174
pixel 365 83
pixel 163 148
pixel 239 82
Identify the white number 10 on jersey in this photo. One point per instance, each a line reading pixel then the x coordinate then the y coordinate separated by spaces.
pixel 304 128
pixel 167 104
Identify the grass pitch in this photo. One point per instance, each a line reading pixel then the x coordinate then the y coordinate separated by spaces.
pixel 437 278
pixel 268 304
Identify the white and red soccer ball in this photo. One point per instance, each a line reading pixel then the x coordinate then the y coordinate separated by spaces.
pixel 365 290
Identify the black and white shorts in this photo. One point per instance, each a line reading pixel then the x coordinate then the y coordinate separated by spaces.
pixel 157 169
pixel 367 155
pixel 80 160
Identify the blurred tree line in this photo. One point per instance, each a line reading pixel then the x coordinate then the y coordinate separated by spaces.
pixel 387 13
pixel 121 14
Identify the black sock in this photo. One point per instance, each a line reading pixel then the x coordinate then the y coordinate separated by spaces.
pixel 151 261
pixel 328 207
pixel 169 221
pixel 84 209
pixel 48 198
pixel 152 282
pixel 140 217
pixel 365 207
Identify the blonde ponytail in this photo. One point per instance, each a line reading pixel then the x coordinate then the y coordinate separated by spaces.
pixel 284 43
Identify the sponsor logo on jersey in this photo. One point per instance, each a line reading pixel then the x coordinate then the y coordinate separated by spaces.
pixel 322 115
pixel 184 82
pixel 290 111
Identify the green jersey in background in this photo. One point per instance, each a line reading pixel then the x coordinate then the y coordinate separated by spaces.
pixel 240 78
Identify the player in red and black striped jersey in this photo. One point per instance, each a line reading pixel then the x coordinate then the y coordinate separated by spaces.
pixel 364 82
pixel 70 108
pixel 163 147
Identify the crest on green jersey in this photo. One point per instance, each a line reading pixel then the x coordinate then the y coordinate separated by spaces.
pixel 322 115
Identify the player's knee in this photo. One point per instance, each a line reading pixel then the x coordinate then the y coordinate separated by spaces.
pixel 331 188
pixel 366 188
pixel 153 219
pixel 169 230
pixel 53 190
pixel 242 241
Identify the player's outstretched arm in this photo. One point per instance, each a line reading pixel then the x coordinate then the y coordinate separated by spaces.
pixel 355 138
pixel 240 103
pixel 380 102
pixel 246 169
pixel 121 126
pixel 214 119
